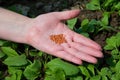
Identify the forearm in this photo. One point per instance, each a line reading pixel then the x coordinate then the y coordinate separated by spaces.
pixel 12 26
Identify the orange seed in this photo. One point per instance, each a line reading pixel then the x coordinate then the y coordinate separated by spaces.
pixel 58 39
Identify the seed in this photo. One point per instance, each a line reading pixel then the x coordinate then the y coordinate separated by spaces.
pixel 58 39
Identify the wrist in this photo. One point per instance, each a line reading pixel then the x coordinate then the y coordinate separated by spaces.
pixel 23 26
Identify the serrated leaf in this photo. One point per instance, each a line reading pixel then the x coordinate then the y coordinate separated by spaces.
pixel 71 23
pixel 115 52
pixel 9 51
pixel 33 71
pixel 68 68
pixel 104 71
pixel 115 76
pixel 113 42
pixel 16 61
pixel 84 71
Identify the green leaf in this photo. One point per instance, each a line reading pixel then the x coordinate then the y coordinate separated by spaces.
pixel 93 5
pixel 117 67
pixel 68 68
pixel 9 51
pixel 33 71
pixel 12 77
pixel 104 78
pixel 90 27
pixel 1 54
pixel 118 39
pixel 115 76
pixel 33 53
pixel 84 25
pixel 119 15
pixel 71 23
pixel 111 43
pixel 84 71
pixel 110 61
pixel 108 3
pixel 97 77
pixel 105 19
pixel 57 74
pixel 16 61
pixel 15 74
pixel 85 34
pixel 40 53
pixel 77 78
pixel 104 71
pixel 91 69
pixel 115 52
pixel 84 22
pixel 117 6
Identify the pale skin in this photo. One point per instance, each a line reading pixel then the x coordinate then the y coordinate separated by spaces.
pixel 36 32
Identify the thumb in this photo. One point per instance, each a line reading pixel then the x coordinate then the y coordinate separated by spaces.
pixel 65 15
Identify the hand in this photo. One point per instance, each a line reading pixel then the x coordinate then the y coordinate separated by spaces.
pixel 76 49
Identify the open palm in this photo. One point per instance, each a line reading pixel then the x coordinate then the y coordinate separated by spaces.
pixel 77 47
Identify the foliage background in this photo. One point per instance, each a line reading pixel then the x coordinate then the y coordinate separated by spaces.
pixel 98 20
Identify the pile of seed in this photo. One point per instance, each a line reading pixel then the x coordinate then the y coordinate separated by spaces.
pixel 58 39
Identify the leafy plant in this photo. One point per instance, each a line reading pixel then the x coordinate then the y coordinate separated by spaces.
pixel 68 68
pixel 113 44
pixel 106 5
pixel 32 71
